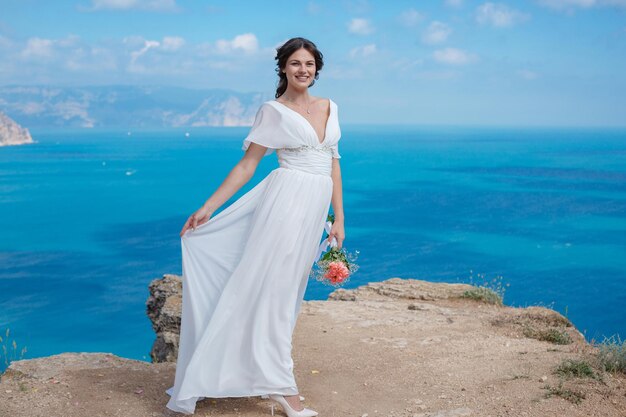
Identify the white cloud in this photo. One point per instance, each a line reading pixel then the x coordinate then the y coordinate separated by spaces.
pixel 453 56
pixel 173 43
pixel 169 44
pixel 49 57
pixel 246 43
pixel 569 5
pixel 72 59
pixel 38 48
pixel 436 32
pixel 133 41
pixel 411 17
pixel 152 5
pixel 363 51
pixel 146 46
pixel 499 15
pixel 360 26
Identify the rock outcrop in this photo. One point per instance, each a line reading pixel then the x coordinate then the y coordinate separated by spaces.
pixel 163 308
pixel 397 348
pixel 11 133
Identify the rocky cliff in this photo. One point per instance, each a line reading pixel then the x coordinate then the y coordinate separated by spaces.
pixel 400 347
pixel 11 133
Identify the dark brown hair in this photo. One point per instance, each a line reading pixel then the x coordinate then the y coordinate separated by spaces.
pixel 284 52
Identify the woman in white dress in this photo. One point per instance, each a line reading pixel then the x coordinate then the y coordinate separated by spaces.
pixel 245 270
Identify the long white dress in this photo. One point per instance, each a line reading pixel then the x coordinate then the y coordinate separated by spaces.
pixel 245 271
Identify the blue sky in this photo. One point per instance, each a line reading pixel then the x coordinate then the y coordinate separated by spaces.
pixel 453 62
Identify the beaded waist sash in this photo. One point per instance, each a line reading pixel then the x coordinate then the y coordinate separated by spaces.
pixel 313 159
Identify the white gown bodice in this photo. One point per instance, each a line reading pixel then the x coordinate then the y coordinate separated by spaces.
pixel 293 138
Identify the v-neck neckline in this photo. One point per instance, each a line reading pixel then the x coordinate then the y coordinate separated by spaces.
pixel 330 114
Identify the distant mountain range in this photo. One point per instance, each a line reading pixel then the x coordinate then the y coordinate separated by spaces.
pixel 128 106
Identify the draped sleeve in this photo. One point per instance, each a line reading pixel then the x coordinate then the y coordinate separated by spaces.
pixel 265 130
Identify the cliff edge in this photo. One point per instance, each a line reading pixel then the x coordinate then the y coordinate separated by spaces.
pixel 401 347
pixel 11 133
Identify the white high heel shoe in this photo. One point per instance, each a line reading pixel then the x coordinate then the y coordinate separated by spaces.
pixel 266 397
pixel 305 412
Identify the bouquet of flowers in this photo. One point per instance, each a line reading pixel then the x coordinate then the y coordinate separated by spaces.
pixel 336 265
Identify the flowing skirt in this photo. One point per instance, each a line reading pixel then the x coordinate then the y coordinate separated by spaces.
pixel 245 272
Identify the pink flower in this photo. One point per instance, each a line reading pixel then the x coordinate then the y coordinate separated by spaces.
pixel 337 272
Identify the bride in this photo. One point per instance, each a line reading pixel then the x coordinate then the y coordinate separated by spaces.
pixel 245 270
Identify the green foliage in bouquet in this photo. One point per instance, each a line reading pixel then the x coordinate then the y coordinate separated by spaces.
pixel 336 266
pixel 335 254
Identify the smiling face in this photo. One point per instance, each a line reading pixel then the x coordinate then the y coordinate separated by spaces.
pixel 300 69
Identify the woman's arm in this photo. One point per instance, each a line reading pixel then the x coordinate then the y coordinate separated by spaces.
pixel 337 230
pixel 237 178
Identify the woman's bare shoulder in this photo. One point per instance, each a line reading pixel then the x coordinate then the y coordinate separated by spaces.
pixel 320 99
pixel 322 102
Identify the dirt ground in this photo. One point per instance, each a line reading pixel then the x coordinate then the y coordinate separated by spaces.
pixel 399 348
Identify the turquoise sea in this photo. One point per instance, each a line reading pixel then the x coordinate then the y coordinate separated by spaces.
pixel 89 217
